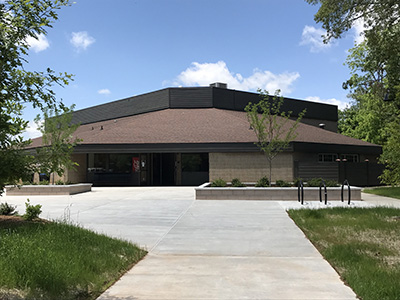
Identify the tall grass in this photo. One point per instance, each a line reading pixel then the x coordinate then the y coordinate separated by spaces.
pixel 362 244
pixel 61 261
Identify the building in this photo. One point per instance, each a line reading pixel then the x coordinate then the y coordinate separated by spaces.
pixel 188 136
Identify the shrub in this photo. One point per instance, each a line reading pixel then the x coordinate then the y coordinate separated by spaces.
pixel 315 182
pixel 32 211
pixel 282 183
pixel 60 182
pixel 7 209
pixel 219 182
pixel 297 181
pixel 44 182
pixel 27 182
pixel 263 182
pixel 331 183
pixel 237 183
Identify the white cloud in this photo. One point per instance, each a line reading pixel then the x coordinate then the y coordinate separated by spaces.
pixel 104 92
pixel 202 74
pixel 38 44
pixel 358 29
pixel 81 40
pixel 312 37
pixel 31 131
pixel 339 103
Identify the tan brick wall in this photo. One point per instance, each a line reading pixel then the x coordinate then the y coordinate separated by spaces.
pixel 73 176
pixel 78 175
pixel 249 167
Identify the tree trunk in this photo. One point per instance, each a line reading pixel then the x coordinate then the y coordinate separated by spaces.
pixel 270 172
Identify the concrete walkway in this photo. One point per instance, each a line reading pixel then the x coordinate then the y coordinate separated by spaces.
pixel 206 249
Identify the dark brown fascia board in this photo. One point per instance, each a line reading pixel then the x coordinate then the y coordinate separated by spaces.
pixel 170 148
pixel 166 148
pixel 223 147
pixel 336 148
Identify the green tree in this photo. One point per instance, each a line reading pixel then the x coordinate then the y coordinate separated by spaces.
pixel 19 20
pixel 381 20
pixel 274 128
pixel 57 141
pixel 390 156
pixel 375 72
pixel 339 16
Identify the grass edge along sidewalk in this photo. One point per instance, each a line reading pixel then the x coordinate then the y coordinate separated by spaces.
pixel 362 244
pixel 390 191
pixel 54 260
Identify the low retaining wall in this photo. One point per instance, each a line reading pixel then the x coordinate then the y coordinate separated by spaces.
pixel 27 190
pixel 205 192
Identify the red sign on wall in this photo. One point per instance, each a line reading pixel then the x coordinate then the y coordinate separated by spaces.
pixel 135 164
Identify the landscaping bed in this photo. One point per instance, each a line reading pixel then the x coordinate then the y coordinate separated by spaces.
pixel 68 189
pixel 250 192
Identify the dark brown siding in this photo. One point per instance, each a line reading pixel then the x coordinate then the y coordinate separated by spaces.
pixel 308 170
pixel 123 108
pixel 191 98
pixel 196 97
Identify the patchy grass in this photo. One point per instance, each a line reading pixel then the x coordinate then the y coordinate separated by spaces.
pixel 362 244
pixel 393 192
pixel 48 260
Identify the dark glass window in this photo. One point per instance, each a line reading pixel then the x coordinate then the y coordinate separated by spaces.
pixel 120 163
pixel 112 163
pixel 350 157
pixel 100 162
pixel 194 162
pixel 327 157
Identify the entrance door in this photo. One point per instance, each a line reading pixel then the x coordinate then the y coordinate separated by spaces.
pixel 163 169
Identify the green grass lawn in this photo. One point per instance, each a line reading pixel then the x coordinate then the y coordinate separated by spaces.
pixel 362 244
pixel 393 192
pixel 49 260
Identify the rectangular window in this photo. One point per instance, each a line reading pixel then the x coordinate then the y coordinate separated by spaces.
pixel 327 157
pixel 349 157
pixel 111 163
pixel 194 162
pixel 120 163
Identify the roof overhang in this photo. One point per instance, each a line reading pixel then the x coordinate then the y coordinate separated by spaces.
pixel 336 148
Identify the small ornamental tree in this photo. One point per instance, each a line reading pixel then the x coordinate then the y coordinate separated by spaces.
pixel 273 127
pixel 57 141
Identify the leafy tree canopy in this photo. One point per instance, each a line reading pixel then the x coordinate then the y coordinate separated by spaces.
pixel 377 59
pixel 374 64
pixel 20 19
pixel 339 16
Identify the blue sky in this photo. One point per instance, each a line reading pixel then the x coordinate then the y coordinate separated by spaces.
pixel 121 48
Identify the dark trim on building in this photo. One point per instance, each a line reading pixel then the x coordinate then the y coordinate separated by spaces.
pixel 336 148
pixel 166 148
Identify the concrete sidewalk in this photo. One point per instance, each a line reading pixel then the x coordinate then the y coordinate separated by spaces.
pixel 232 250
pixel 208 249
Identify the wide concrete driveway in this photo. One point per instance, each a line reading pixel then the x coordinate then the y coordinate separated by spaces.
pixel 201 249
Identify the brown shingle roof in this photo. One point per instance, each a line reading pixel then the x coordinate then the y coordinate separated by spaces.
pixel 203 125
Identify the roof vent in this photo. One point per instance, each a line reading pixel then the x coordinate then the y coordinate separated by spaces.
pixel 322 125
pixel 219 85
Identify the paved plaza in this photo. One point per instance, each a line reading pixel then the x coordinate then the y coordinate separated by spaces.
pixel 204 249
